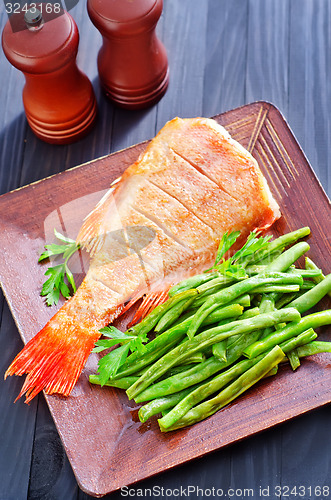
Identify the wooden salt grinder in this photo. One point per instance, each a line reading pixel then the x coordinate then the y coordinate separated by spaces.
pixel 58 98
pixel 132 62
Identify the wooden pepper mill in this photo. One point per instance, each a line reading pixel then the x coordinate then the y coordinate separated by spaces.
pixel 58 98
pixel 132 62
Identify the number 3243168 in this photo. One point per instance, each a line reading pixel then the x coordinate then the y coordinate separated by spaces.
pixel 48 7
pixel 302 491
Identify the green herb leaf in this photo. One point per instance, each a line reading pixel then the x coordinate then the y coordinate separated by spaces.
pixel 110 363
pixel 235 265
pixel 115 337
pixel 114 333
pixel 63 238
pixel 58 274
pixel 138 344
pixel 70 278
pixel 225 244
pixel 51 250
pixel 103 344
pixel 252 245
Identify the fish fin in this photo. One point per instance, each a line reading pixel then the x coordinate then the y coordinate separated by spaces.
pixel 91 235
pixel 53 359
pixel 149 302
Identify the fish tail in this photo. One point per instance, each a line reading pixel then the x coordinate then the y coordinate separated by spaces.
pixel 53 359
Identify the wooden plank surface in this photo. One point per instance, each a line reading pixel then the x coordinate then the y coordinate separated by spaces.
pixel 92 416
pixel 225 41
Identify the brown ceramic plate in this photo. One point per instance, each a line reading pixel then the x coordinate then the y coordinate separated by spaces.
pixel 99 427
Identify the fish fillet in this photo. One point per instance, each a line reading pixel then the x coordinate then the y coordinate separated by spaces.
pixel 160 222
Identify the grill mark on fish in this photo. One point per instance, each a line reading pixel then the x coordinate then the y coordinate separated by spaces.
pixel 149 264
pixel 97 279
pixel 161 226
pixel 148 273
pixel 180 211
pixel 185 206
pixel 202 172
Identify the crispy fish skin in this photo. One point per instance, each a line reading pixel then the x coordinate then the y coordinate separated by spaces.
pixel 160 222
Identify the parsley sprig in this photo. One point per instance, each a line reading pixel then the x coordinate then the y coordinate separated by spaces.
pixel 109 364
pixel 60 279
pixel 236 264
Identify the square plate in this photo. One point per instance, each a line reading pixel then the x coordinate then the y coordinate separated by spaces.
pixel 106 444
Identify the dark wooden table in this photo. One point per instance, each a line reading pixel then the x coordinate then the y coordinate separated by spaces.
pixel 222 54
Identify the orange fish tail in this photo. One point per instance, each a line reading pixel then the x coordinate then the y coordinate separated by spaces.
pixel 53 359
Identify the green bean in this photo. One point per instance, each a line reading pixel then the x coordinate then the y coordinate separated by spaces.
pixel 197 320
pixel 122 383
pixel 315 347
pixel 219 350
pixel 218 314
pixel 232 391
pixel 131 367
pixel 272 372
pixel 267 332
pixel 197 357
pixel 181 381
pixel 148 323
pixel 165 341
pixel 188 362
pixel 204 339
pixel 267 304
pixel 173 314
pixel 243 300
pixel 307 285
pixel 280 243
pixel 277 288
pixel 250 313
pixel 269 256
pixel 229 294
pixel 199 373
pixel 192 282
pixel 310 265
pixel 249 285
pixel 220 280
pixel 204 391
pixel 311 321
pixel 285 299
pixel 287 258
pixel 236 348
pixel 175 370
pixel 306 273
pixel 162 404
pixel 294 359
pixel 212 287
pixel 255 269
pixel 313 296
pixel 301 339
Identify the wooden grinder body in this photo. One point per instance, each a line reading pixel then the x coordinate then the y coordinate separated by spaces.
pixel 58 98
pixel 132 62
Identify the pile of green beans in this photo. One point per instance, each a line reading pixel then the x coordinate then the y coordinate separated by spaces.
pixel 218 335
